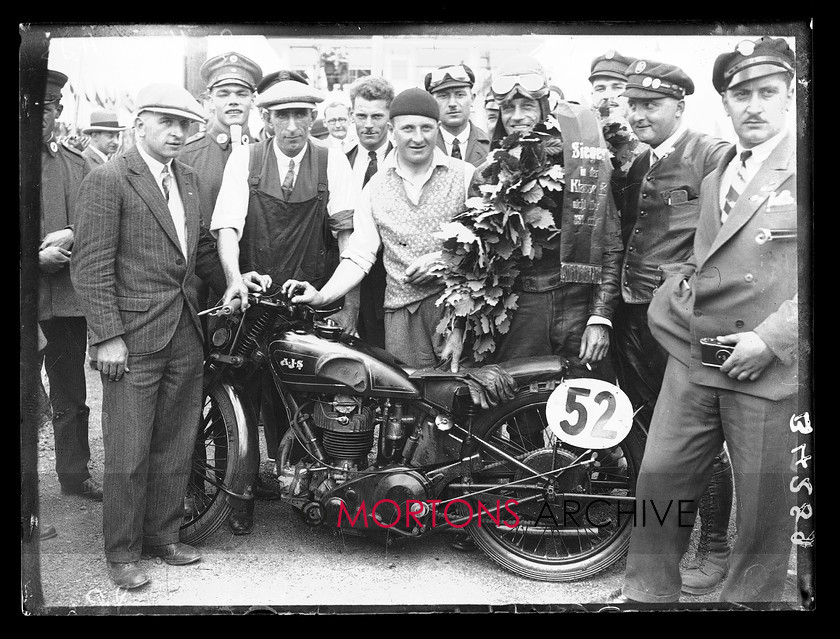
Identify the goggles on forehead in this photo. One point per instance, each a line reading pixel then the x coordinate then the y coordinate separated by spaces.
pixel 457 72
pixel 528 81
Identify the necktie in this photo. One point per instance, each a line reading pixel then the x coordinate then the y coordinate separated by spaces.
pixel 737 187
pixel 166 181
pixel 456 149
pixel 289 182
pixel 371 167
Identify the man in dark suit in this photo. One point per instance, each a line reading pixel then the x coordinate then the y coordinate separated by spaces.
pixel 658 220
pixel 452 87
pixel 59 313
pixel 370 101
pixel 133 266
pixel 104 132
pixel 743 291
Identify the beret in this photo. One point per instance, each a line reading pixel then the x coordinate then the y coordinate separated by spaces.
pixel 55 82
pixel 231 68
pixel 289 94
pixel 651 79
pixel 415 101
pixel 103 121
pixel 611 64
pixel 752 59
pixel 453 75
pixel 279 76
pixel 175 100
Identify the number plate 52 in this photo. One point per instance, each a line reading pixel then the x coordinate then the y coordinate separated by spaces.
pixel 589 413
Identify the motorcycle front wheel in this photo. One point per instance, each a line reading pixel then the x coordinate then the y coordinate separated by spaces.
pixel 558 526
pixel 218 463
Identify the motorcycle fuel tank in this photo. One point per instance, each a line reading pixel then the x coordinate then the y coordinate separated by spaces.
pixel 304 361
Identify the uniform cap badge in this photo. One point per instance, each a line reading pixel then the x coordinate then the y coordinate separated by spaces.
pixel 647 81
pixel 656 83
pixel 609 55
pixel 641 65
pixel 746 47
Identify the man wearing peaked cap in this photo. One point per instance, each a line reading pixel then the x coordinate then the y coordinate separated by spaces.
pixel 452 87
pixel 740 289
pixel 285 208
pixel 133 267
pixel 60 315
pixel 608 79
pixel 104 132
pixel 659 215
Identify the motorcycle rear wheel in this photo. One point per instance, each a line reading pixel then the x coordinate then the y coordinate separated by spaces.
pixel 571 538
pixel 216 462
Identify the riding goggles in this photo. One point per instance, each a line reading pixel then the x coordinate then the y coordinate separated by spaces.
pixel 530 82
pixel 457 73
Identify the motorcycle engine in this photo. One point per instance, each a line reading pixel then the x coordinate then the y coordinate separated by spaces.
pixel 347 430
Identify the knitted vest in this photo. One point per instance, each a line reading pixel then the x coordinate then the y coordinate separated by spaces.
pixel 406 230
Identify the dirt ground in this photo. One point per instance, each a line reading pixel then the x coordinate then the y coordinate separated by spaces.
pixel 286 566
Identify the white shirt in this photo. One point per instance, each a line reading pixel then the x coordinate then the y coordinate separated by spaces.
pixel 364 243
pixel 362 161
pixel 176 205
pixel 232 204
pixel 667 146
pixel 463 137
pixel 98 152
pixel 753 163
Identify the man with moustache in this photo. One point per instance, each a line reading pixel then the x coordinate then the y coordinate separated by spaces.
pixel 417 188
pixel 136 238
pixel 370 99
pixel 743 292
pixel 658 220
pixel 283 205
pixel 104 132
pixel 452 87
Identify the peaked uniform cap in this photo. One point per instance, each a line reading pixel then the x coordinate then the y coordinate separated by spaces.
pixel 752 59
pixel 175 100
pixel 231 68
pixel 55 83
pixel 611 65
pixel 652 79
pixel 279 76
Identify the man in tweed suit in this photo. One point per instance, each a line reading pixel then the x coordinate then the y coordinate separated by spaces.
pixel 133 266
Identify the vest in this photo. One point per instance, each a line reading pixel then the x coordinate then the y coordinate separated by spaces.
pixel 406 230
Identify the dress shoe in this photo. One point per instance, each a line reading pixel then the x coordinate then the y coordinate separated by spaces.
pixel 617 597
pixel 264 491
pixel 89 488
pixel 48 532
pixel 241 522
pixel 464 543
pixel 128 575
pixel 176 554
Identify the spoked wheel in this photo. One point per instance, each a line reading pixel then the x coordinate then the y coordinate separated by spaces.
pixel 217 462
pixel 567 525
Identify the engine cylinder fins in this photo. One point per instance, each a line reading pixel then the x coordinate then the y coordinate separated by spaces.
pixel 343 445
pixel 342 421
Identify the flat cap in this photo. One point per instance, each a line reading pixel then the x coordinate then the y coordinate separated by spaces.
pixel 280 76
pixel 752 59
pixel 415 101
pixel 231 68
pixel 55 82
pixel 611 65
pixel 163 97
pixel 451 75
pixel 289 94
pixel 651 79
pixel 103 121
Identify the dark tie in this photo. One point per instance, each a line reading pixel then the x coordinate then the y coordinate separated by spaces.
pixel 371 167
pixel 737 187
pixel 166 181
pixel 289 182
pixel 456 149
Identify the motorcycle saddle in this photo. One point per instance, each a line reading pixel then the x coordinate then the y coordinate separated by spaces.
pixel 446 389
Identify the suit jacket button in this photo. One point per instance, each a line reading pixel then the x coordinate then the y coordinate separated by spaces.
pixel 645 195
pixel 529 284
pixel 739 323
pixel 179 261
pixel 748 277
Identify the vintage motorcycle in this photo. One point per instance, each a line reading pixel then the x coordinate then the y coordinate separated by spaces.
pixel 543 483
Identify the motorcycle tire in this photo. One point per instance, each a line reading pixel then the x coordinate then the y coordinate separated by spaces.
pixel 561 543
pixel 217 462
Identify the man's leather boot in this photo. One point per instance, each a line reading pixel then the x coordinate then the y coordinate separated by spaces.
pixel 711 563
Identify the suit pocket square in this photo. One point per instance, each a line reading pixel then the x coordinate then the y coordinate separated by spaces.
pixel 778 200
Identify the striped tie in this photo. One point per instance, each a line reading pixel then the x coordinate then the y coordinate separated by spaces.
pixel 166 181
pixel 289 182
pixel 737 186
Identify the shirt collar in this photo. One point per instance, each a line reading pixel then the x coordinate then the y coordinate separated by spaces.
pixel 463 136
pixel 668 145
pixel 439 159
pixel 762 151
pixel 98 152
pixel 380 150
pixel 283 159
pixel 154 166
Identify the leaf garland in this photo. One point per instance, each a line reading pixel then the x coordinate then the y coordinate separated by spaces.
pixel 512 219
